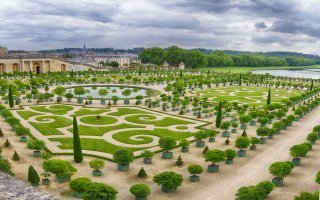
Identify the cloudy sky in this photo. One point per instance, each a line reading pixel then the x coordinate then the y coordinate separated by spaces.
pixel 249 25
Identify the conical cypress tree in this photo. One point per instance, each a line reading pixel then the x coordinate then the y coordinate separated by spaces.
pixel 33 176
pixel 77 151
pixel 10 97
pixel 240 80
pixel 227 141
pixel 311 86
pixel 1 133
pixel 244 133
pixel 205 150
pixel 15 156
pixel 218 119
pixel 269 97
pixel 7 143
pixel 142 173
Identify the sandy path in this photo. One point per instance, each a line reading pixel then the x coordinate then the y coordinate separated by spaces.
pixel 225 184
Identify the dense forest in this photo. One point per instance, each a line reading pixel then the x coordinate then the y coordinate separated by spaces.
pixel 196 58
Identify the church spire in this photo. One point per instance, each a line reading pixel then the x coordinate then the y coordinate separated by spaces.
pixel 84 50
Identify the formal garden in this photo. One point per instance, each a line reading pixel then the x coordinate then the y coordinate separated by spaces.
pixel 156 134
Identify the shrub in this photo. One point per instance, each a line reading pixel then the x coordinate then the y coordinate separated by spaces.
pixel 7 143
pixel 169 180
pixel 307 196
pixel 201 135
pixel 140 190
pixel 1 133
pixel 59 167
pixel 307 144
pixel 318 177
pixel 15 156
pixel 316 129
pixel 250 193
pixel 147 154
pixel 142 173
pixel 195 169
pixel 225 125
pixel 242 142
pixel 300 150
pixel 123 156
pixel 312 137
pixel 215 156
pixel 5 167
pixel 244 133
pixel 79 184
pixel 167 143
pixel 36 144
pixel 212 133
pixel 230 153
pixel 184 143
pixel 280 169
pixel 266 186
pixel 99 191
pixel 179 161
pixel 33 176
pixel 263 131
pixel 22 131
pixel 254 141
pixel 206 148
pixel 244 119
pixel 96 164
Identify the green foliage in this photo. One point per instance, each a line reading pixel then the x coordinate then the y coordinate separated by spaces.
pixel 15 156
pixel 215 156
pixel 167 143
pixel 266 186
pixel 263 131
pixel 201 135
pixel 318 177
pixel 10 95
pixel 195 169
pixel 140 190
pixel 96 164
pixel 219 115
pixel 300 150
pixel 142 173
pixel 147 154
pixel 170 180
pixel 59 91
pixel 123 156
pixel 254 140
pixel 307 196
pixel 179 161
pixel 59 167
pixel 269 97
pixel 206 148
pixel 280 169
pixel 5 167
pixel 79 184
pixel 184 143
pixel 77 150
pixel 96 191
pixel 33 176
pixel 230 153
pixel 242 142
pixel 312 137
pixel 36 144
pixel 244 118
pixel 250 193
pixel 225 125
pixel 7 143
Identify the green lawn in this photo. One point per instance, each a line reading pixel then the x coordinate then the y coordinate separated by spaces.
pixel 124 136
pixel 26 114
pixel 91 144
pixel 104 120
pixel 50 128
pixel 127 111
pixel 150 119
pixel 100 131
pixel 90 111
pixel 54 109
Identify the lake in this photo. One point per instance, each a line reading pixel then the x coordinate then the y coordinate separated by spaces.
pixel 307 73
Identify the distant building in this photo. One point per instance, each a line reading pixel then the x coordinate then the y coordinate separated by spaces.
pixel 3 50
pixel 122 59
pixel 181 66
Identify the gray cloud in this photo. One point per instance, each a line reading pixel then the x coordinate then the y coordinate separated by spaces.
pixel 230 24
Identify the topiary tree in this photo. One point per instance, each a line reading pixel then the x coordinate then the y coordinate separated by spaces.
pixel 242 143
pixel 279 170
pixel 140 191
pixel 298 151
pixel 15 156
pixel 195 170
pixel 96 165
pixel 250 193
pixel 212 134
pixel 59 91
pixel 230 155
pixel 99 191
pixel 266 187
pixel 37 146
pixel 79 185
pixel 312 137
pixel 263 132
pixel 244 119
pixel 184 144
pixel 7 143
pixel 214 156
pixel 234 126
pixel 179 161
pixel 77 150
pixel 169 181
pixel 1 133
pixel 318 177
pixel 225 126
pixel 254 141
pixel 278 126
pixel 147 156
pixel 62 169
pixel 307 196
pixel 142 173
pixel 200 136
pixel 167 143
pixel 123 157
pixel 33 176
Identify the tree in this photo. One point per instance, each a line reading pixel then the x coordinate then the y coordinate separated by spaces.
pixel 195 169
pixel 77 150
pixel 140 190
pixel 307 196
pixel 269 97
pixel 79 184
pixel 36 145
pixel 79 91
pixel 126 93
pixel 312 137
pixel 250 193
pixel 96 164
pixel 7 143
pixel 59 167
pixel 5 167
pixel 219 115
pixel 99 191
pixel 266 187
pixel 103 92
pixel 33 176
pixel 123 156
pixel 59 91
pixel 280 169
pixel 10 95
pixel 215 156
pixel 167 143
pixel 168 180
pixel 142 173
pixel 298 151
pixel 230 153
pixel 15 156
pixel 263 131
pixel 242 142
pixel 179 161
pixel 318 177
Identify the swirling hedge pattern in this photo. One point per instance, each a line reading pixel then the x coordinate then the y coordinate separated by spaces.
pixel 156 120
pixel 47 125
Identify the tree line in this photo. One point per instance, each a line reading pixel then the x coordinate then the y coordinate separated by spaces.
pixel 197 59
